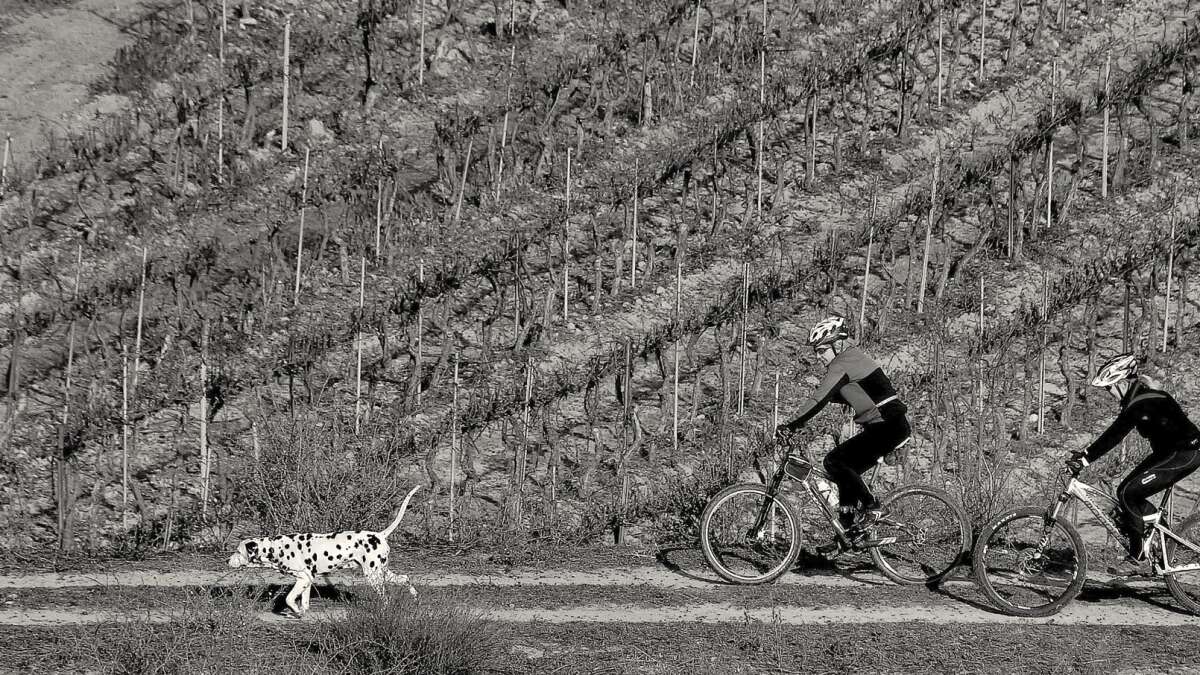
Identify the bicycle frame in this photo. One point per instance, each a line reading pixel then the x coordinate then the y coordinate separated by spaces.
pixel 810 486
pixel 1100 502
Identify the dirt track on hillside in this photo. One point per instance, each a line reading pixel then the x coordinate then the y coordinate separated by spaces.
pixel 1107 614
pixel 1133 612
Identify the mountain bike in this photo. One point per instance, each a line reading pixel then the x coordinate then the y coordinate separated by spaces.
pixel 751 535
pixel 1031 561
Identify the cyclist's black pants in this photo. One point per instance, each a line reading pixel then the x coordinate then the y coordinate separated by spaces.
pixel 847 462
pixel 1156 473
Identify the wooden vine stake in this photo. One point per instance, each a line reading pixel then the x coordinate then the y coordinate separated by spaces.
pixel 1170 269
pixel 462 184
pixel 420 325
pixel 379 219
pixel 63 484
pixel 524 456
pixel 287 46
pixel 300 239
pixel 221 100
pixel 940 61
pixel 695 45
pixel 928 237
pixel 128 391
pixel 775 407
pixel 862 308
pixel 205 457
pixel 455 443
pixel 124 436
pixel 675 357
pixel 762 101
pixel 1104 134
pixel 745 322
pixel 362 289
pixel 421 49
pixel 512 58
pixel 982 37
pixel 634 236
pixel 981 360
pixel 1050 153
pixel 4 163
pixel 566 245
pixel 1042 359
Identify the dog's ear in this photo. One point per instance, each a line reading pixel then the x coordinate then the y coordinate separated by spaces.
pixel 251 547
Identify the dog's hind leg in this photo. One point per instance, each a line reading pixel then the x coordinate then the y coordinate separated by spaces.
pixel 300 591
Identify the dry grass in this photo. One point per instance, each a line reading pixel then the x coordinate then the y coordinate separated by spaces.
pixel 396 634
pixel 203 634
pixel 323 478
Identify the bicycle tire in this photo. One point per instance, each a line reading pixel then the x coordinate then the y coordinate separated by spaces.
pixel 720 508
pixel 1187 589
pixel 928 544
pixel 989 574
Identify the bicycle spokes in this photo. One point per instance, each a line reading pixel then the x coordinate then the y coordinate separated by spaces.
pixel 1030 565
pixel 920 537
pixel 749 535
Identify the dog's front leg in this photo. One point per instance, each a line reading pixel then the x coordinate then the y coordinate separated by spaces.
pixel 400 580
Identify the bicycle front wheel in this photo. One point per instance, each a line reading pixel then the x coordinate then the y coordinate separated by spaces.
pixel 922 535
pixel 1185 585
pixel 735 549
pixel 1029 564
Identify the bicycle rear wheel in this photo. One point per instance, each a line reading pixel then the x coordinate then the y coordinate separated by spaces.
pixel 1029 565
pixel 737 552
pixel 1185 586
pixel 921 536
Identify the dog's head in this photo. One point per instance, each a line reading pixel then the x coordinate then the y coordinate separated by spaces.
pixel 248 554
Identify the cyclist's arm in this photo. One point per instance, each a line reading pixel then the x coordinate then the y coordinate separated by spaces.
pixel 834 379
pixel 1113 434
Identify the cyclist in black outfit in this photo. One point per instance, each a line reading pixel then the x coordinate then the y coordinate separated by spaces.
pixel 857 381
pixel 1174 446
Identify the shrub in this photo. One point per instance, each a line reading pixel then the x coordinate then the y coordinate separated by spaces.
pixel 198 635
pixel 397 634
pixel 320 477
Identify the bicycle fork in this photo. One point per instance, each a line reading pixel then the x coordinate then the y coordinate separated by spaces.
pixel 765 508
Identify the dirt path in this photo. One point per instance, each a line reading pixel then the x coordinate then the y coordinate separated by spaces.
pixel 625 576
pixel 47 61
pixel 1106 614
pixel 606 576
pixel 1112 612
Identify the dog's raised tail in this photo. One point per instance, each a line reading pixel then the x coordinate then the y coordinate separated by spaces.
pixel 400 516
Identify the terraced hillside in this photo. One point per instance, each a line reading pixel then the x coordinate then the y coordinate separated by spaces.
pixel 556 261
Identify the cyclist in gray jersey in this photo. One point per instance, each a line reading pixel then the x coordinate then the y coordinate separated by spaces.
pixel 855 380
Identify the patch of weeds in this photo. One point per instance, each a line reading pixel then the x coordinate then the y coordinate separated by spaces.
pixel 397 634
pixel 197 636
pixel 322 478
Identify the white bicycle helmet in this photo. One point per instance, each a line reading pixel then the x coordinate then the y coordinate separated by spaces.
pixel 827 331
pixel 1116 369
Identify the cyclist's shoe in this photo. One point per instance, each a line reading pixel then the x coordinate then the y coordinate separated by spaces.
pixel 847 515
pixel 830 550
pixel 1129 567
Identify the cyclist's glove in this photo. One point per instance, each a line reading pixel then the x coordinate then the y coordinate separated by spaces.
pixel 787 430
pixel 1077 462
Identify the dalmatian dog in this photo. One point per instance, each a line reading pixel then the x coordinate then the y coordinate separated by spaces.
pixel 307 556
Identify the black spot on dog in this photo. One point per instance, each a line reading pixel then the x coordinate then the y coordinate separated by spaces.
pixel 373 541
